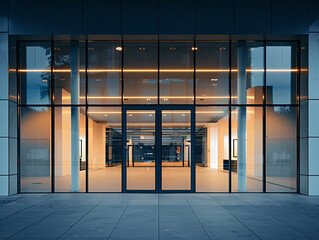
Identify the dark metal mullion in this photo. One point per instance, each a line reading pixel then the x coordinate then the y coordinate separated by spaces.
pixel 18 116
pixel 193 119
pixel 229 117
pixel 159 148
pixel 158 73
pixel 124 149
pixel 52 121
pixel 298 117
pixel 86 117
pixel 264 119
pixel 123 122
pixel 193 185
pixel 122 72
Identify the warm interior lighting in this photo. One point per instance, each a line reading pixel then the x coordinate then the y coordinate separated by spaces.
pixel 162 70
pixel 118 48
pixel 165 98
pixel 152 112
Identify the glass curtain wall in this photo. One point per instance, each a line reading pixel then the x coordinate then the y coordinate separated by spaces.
pixel 245 95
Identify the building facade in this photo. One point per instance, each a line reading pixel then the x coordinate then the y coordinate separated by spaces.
pixel 159 96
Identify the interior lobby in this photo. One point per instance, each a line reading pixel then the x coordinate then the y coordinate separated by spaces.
pixel 158 116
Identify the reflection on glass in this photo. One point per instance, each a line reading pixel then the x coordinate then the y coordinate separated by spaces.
pixel 212 73
pixel 140 149
pixel 247 72
pixel 140 72
pixel 247 149
pixel 35 72
pixel 282 72
pixel 35 146
pixel 70 151
pixel 176 72
pixel 212 155
pixel 281 145
pixel 104 72
pixel 105 149
pixel 69 73
pixel 176 150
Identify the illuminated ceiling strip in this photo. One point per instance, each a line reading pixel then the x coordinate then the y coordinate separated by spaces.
pixel 153 112
pixel 155 97
pixel 161 70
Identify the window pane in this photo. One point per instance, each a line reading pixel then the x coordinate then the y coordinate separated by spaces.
pixel 140 149
pixel 35 149
pixel 212 73
pixel 212 134
pixel 105 149
pixel 176 150
pixel 281 149
pixel 70 151
pixel 247 72
pixel 247 149
pixel 35 72
pixel 140 72
pixel 282 72
pixel 69 73
pixel 176 72
pixel 104 72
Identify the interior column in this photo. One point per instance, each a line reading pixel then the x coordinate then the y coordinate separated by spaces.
pixel 241 127
pixel 75 118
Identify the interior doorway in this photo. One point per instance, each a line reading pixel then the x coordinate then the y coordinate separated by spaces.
pixel 158 149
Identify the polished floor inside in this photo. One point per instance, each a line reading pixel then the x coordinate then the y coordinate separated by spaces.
pixel 108 179
pixel 159 216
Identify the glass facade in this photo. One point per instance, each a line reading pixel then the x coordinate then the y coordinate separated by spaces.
pixel 158 116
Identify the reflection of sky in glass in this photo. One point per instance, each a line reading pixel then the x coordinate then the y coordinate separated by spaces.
pixel 279 57
pixel 36 85
pixel 257 62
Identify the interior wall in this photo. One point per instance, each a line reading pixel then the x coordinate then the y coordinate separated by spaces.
pixel 96 145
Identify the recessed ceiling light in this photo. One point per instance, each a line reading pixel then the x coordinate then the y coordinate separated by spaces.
pixel 118 48
pixel 194 48
pixel 142 48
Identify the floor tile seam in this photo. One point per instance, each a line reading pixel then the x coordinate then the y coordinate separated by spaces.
pixel 118 221
pixel 294 209
pixel 197 218
pixel 84 215
pixel 30 206
pixel 286 224
pixel 250 230
pixel 43 217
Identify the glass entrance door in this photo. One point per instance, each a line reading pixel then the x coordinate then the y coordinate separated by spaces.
pixel 176 149
pixel 158 150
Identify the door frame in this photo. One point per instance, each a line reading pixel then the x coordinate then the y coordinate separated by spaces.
pixel 158 146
